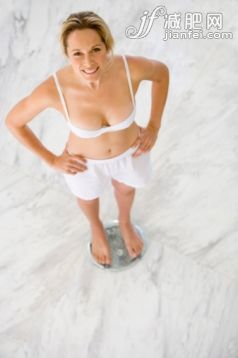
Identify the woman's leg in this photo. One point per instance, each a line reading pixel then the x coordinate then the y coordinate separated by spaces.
pixel 125 195
pixel 100 247
pixel 91 209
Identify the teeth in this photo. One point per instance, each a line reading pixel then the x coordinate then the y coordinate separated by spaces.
pixel 92 71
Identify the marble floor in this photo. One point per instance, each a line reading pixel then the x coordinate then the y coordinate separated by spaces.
pixel 180 300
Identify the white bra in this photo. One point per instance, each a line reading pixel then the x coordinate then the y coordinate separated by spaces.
pixel 83 133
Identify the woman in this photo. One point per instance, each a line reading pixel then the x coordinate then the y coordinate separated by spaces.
pixel 95 92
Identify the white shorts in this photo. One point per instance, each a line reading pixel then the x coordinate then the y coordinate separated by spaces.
pixel 91 183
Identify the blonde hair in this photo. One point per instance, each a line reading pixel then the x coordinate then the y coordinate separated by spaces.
pixel 86 20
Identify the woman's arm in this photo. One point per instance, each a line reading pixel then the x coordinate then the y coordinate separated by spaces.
pixel 23 112
pixel 158 73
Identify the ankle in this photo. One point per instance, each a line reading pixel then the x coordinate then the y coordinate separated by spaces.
pixel 96 223
pixel 124 221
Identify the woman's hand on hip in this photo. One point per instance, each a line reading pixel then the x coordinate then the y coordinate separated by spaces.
pixel 145 141
pixel 69 163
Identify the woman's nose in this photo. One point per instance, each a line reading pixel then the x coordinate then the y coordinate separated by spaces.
pixel 87 60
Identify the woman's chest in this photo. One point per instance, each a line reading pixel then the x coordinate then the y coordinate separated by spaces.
pixel 91 109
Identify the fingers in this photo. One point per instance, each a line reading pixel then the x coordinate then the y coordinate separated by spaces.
pixel 76 163
pixel 138 139
pixel 80 157
pixel 75 156
pixel 136 143
pixel 73 170
pixel 143 147
pixel 138 152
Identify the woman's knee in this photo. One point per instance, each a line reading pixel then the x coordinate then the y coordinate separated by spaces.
pixel 87 202
pixel 122 188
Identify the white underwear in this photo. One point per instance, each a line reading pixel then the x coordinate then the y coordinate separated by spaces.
pixel 91 183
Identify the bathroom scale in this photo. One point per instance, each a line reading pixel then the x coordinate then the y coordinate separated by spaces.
pixel 121 259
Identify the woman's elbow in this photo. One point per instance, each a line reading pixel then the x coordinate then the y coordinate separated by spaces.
pixel 9 121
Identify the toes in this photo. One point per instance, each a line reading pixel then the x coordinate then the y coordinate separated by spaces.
pixel 106 263
pixel 131 251
pixel 107 266
pixel 136 253
pixel 101 260
pixel 104 260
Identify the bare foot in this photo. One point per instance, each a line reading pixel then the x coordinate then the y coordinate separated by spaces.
pixel 100 246
pixel 132 240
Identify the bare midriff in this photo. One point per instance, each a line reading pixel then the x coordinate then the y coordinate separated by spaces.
pixel 110 144
pixel 105 146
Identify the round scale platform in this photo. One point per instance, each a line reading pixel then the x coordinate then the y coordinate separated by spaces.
pixel 121 259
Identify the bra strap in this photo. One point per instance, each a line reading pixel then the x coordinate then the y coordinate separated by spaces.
pixel 129 79
pixel 61 95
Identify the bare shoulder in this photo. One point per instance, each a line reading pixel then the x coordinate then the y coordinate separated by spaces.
pixel 43 96
pixel 143 68
pixel 45 93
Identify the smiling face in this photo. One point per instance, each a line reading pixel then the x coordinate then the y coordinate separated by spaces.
pixel 87 54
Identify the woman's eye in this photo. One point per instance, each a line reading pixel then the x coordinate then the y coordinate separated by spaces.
pixel 79 53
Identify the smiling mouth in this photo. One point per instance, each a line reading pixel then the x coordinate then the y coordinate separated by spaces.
pixel 92 72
